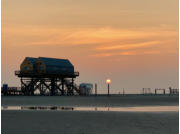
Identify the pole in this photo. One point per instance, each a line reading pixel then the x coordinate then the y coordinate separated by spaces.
pixel 95 89
pixel 108 89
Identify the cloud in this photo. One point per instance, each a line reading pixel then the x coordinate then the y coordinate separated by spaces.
pixel 86 36
pixel 79 36
pixel 126 53
pixel 97 42
pixel 128 46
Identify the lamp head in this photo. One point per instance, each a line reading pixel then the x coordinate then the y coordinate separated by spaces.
pixel 108 81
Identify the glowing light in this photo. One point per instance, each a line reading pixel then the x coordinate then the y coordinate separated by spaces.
pixel 108 81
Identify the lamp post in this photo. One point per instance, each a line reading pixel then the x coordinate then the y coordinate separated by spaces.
pixel 108 81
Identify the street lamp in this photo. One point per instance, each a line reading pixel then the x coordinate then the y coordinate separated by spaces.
pixel 108 81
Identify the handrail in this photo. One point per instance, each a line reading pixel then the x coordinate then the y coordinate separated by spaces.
pixel 18 72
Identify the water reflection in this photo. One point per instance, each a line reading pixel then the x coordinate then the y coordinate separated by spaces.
pixel 123 109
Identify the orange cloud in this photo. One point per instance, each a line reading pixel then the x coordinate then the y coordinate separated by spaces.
pixel 114 54
pixel 129 53
pixel 128 46
pixel 80 36
pixel 97 42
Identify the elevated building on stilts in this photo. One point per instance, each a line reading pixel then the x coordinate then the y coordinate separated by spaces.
pixel 47 76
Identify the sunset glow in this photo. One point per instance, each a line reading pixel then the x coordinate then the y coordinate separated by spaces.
pixel 136 45
pixel 108 81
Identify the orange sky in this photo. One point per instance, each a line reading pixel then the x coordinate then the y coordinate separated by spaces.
pixel 135 43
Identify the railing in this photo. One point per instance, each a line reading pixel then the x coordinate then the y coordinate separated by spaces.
pixel 18 72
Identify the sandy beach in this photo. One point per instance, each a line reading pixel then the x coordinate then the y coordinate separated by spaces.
pixel 90 122
pixel 66 122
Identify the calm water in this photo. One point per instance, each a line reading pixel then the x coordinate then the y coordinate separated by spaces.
pixel 131 103
pixel 91 101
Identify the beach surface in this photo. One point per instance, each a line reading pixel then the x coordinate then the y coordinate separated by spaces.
pixel 90 122
pixel 67 122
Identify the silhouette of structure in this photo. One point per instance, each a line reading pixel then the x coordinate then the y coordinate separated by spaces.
pixel 173 91
pixel 160 89
pixel 86 89
pixel 108 81
pixel 146 91
pixel 95 89
pixel 123 92
pixel 48 76
pixel 5 90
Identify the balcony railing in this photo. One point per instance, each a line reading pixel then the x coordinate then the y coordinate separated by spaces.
pixel 18 72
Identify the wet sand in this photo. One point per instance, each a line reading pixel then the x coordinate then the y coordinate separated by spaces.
pixel 90 122
pixel 68 122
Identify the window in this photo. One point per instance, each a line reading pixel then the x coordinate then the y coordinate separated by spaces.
pixel 26 68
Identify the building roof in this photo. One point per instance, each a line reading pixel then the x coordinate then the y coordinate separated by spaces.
pixel 32 59
pixel 56 62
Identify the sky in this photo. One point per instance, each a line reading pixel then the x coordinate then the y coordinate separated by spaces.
pixel 134 43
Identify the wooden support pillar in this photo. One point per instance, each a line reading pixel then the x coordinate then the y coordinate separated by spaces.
pixel 52 86
pixel 41 87
pixel 24 87
pixel 72 86
pixel 62 80
pixel 32 86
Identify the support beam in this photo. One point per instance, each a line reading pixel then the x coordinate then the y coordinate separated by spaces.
pixel 72 86
pixel 62 81
pixel 52 86
pixel 46 86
